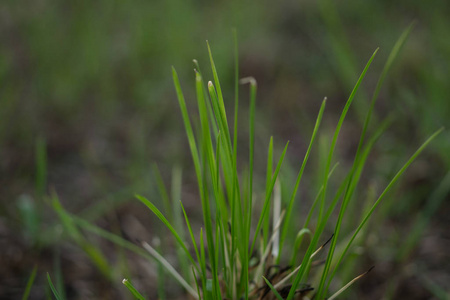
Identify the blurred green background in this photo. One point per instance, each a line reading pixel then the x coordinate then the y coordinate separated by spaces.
pixel 88 106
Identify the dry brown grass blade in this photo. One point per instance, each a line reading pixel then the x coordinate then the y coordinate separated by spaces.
pixel 349 284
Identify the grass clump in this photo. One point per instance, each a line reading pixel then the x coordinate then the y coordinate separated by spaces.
pixel 233 259
pixel 239 251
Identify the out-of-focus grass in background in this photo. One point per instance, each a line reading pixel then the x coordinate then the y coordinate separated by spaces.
pixel 87 106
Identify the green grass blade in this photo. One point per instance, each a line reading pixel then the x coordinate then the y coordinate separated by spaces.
pixel 352 182
pixel 160 278
pixel 299 177
pixel 392 57
pixel 163 192
pixel 132 289
pixel 178 217
pixel 253 88
pixel 219 97
pixel 345 287
pixel 190 232
pixel 30 282
pixel 156 211
pixel 338 129
pixel 383 194
pixel 171 270
pixel 268 197
pixel 310 213
pixel 86 225
pixel 196 282
pixel 206 294
pixel 208 103
pixel 432 205
pixel 188 127
pixel 266 217
pixel 438 291
pixel 94 254
pixel 52 287
pixel 274 291
pixel 321 219
pixel 236 94
pixel 115 239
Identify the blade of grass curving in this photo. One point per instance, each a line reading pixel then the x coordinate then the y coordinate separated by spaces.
pixel 321 220
pixel 170 269
pixel 163 219
pixel 299 177
pixel 30 282
pixel 383 194
pixel 267 200
pixel 297 243
pixel 132 289
pixel 52 287
pixel 274 291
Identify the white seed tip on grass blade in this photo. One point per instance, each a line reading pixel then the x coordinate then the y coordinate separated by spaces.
pixel 124 281
pixel 210 84
pixel 246 80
